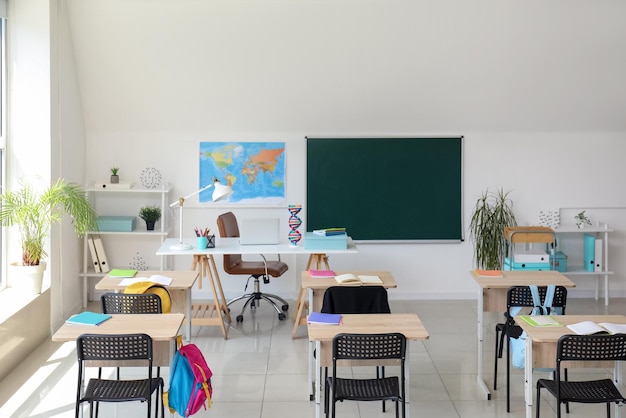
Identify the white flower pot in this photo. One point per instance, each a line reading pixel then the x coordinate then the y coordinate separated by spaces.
pixel 27 279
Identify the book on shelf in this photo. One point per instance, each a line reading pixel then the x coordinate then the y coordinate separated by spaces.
pixel 329 231
pixel 591 328
pixel 488 273
pixel 87 318
pixel 320 274
pixel 349 278
pixel 122 273
pixel 324 318
pixel 540 320
pixel 155 278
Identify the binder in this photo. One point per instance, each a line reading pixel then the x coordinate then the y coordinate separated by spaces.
pixel 589 251
pixel 104 263
pixel 599 260
pixel 94 255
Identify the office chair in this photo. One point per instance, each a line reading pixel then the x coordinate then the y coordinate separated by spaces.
pixel 118 348
pixel 367 347
pixel 234 264
pixel 520 296
pixel 585 348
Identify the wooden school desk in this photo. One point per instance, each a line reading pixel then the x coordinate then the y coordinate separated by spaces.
pixel 179 290
pixel 204 261
pixel 492 298
pixel 163 328
pixel 541 345
pixel 317 286
pixel 322 336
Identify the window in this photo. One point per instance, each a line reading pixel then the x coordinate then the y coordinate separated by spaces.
pixel 3 118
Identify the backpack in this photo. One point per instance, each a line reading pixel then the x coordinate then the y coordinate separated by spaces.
pixel 518 345
pixel 190 381
pixel 157 289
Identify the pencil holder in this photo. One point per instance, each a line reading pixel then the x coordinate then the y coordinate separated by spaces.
pixel 202 243
pixel 210 241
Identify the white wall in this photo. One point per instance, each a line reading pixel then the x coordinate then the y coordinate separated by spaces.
pixel 535 87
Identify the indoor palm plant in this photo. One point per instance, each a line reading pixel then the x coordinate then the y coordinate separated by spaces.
pixel 492 213
pixel 33 213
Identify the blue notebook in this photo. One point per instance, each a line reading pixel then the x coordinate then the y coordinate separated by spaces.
pixel 88 318
pixel 324 318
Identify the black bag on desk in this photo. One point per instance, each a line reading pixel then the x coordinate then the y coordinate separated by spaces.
pixel 355 300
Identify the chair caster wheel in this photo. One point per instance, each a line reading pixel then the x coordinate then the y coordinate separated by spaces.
pixel 239 318
pixel 281 316
pixel 285 308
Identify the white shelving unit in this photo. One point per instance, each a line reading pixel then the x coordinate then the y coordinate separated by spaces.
pixel 602 231
pixel 119 201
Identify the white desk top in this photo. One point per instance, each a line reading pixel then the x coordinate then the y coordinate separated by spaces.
pixel 232 246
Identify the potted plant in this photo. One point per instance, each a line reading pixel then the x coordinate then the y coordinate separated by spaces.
pixel 582 220
pixel 33 212
pixel 151 214
pixel 114 177
pixel 492 213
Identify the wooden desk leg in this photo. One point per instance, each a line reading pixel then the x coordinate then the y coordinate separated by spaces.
pixel 301 303
pixel 198 263
pixel 203 314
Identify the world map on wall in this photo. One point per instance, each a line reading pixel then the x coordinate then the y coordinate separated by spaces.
pixel 255 170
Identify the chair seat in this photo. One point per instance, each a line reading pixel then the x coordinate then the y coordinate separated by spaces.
pixel 274 268
pixel 595 391
pixel 120 390
pixel 367 389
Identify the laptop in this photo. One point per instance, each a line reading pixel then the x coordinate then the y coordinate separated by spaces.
pixel 255 231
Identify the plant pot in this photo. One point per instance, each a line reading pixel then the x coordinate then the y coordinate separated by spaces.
pixel 27 279
pixel 115 179
pixel 150 225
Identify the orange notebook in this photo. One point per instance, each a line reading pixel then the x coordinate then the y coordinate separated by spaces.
pixel 488 273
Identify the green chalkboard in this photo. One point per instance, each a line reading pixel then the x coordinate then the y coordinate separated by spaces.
pixel 386 189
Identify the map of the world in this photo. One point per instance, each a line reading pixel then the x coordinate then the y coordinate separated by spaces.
pixel 255 170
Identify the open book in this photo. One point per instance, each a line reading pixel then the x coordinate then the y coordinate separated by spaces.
pixel 590 327
pixel 349 278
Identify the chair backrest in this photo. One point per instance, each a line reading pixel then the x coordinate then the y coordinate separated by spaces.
pixel 369 346
pixel 355 300
pixel 131 303
pixel 522 296
pixel 589 348
pixel 114 347
pixel 228 227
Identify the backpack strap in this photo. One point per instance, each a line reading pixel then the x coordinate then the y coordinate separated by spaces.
pixel 542 308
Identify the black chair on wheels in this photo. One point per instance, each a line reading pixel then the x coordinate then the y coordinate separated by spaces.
pixel 585 348
pixel 367 347
pixel 234 264
pixel 117 348
pixel 520 296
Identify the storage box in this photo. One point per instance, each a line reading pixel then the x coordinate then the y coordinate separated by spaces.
pixel 560 261
pixel 116 223
pixel 525 266
pixel 530 256
pixel 320 242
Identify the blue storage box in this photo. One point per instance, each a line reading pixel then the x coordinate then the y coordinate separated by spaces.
pixel 525 266
pixel 320 242
pixel 116 223
pixel 560 261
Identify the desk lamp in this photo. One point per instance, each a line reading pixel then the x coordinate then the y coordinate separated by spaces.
pixel 220 192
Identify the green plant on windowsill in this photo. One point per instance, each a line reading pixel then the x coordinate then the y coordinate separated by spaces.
pixel 492 213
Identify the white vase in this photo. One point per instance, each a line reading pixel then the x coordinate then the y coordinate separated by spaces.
pixel 27 279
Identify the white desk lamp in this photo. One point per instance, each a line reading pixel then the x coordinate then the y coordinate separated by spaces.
pixel 220 192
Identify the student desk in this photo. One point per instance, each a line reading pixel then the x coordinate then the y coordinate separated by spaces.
pixel 317 286
pixel 492 298
pixel 179 290
pixel 541 345
pixel 322 336
pixel 163 328
pixel 204 261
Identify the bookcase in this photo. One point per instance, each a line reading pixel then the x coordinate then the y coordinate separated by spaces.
pixel 120 201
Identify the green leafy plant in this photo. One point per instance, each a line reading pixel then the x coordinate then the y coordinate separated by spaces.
pixel 33 213
pixel 581 219
pixel 114 171
pixel 492 213
pixel 150 213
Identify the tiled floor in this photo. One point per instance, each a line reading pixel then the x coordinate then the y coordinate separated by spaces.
pixel 260 372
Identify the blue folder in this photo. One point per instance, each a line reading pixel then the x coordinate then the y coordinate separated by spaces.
pixel 589 252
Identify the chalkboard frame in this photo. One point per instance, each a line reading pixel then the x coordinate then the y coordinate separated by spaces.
pixel 375 188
